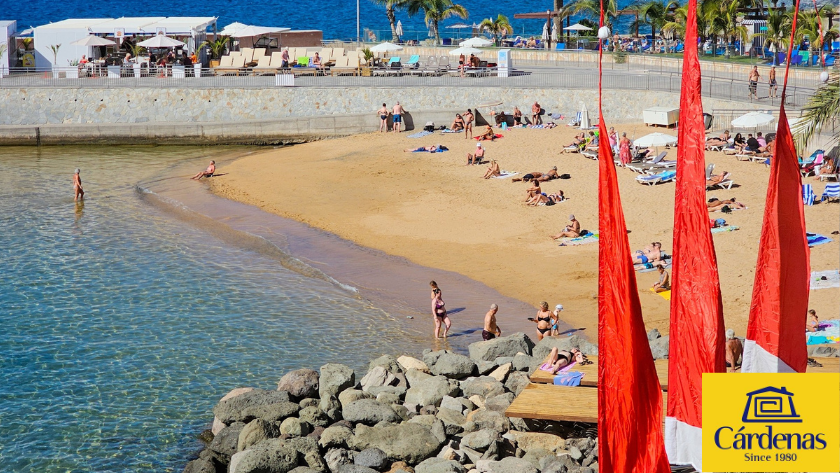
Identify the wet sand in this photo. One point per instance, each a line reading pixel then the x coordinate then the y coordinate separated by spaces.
pixel 436 212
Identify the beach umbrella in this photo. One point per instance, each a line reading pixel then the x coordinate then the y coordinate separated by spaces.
pixel 545 34
pixel 386 47
pixel 160 41
pixel 232 28
pixel 752 120
pixel 251 31
pixel 458 26
pixel 476 42
pixel 465 50
pixel 654 140
pixel 399 28
pixel 577 27
pixel 584 117
pixel 93 40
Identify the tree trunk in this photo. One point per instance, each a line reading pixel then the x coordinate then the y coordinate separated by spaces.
pixel 558 22
pixel 437 32
pixel 392 20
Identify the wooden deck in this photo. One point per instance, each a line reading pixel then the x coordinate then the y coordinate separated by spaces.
pixel 559 403
pixel 590 378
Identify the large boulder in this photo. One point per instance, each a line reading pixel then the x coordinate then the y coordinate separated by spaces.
pixel 330 406
pixel 349 396
pixel 452 420
pixel 300 383
pixel 372 458
pixel 426 389
pixel 523 362
pixel 506 465
pixel 543 348
pixel 369 412
pixel 224 445
pixel 516 382
pixel 294 427
pixel 218 425
pixel 528 441
pixel 335 378
pixel 200 465
pixel 410 363
pixel 502 346
pixel 376 377
pixel 487 419
pixel 409 442
pixel 335 458
pixel 307 448
pixel 255 432
pixel 314 416
pixel 499 403
pixel 269 456
pixel 453 365
pixel 484 386
pixel 480 440
pixel 439 465
pixel 659 348
pixel 335 436
pixel 355 469
pixel 259 403
pixel 388 362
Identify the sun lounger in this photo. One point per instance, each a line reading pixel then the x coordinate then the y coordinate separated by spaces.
pixel 590 378
pixel 248 54
pixel 832 191
pixel 237 66
pixel 258 53
pixel 726 183
pixel 808 195
pixel 659 178
pixel 591 154
pixel 744 155
pixel 337 53
pixel 443 64
pixel 431 66
pixel 263 66
pixel 411 64
pixel 345 65
pixel 571 149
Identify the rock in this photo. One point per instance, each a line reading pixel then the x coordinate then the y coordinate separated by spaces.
pixel 314 416
pixel 823 351
pixel 396 390
pixel 400 467
pixel 255 432
pixel 307 448
pixel 218 425
pixel 309 402
pixel 258 403
pixel 480 440
pixel 503 360
pixel 330 406
pixel 542 349
pixel 477 400
pixel 500 373
pixel 335 378
pixel 372 458
pixel 234 461
pixel 575 453
pixel 335 436
pixel 388 362
pixel 453 421
pixel 484 386
pixel 659 348
pixel 427 390
pixel 535 456
pixel 529 441
pixel 558 464
pixel 499 403
pixel 517 381
pixel 502 346
pixel 200 465
pixel 449 402
pixel 432 423
pixel 471 455
pixel 300 383
pixel 377 376
pixel 269 456
pixel 523 362
pixel 369 412
pixel 485 367
pixel 409 363
pixel 410 442
pixel 506 465
pixel 294 427
pixel 349 396
pixel 304 469
pixel 486 419
pixel 388 398
pixel 439 465
pixel 653 335
pixel 431 357
pixel 337 457
pixel 449 453
pixel 453 365
pixel 355 469
pixel 224 444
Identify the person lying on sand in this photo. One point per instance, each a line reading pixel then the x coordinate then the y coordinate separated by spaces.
pixel 458 124
pixel 477 157
pixel 714 204
pixel 547 199
pixel 559 359
pixel 664 283
pixel 493 170
pixel 734 350
pixel 528 177
pixel 431 149
pixel 578 140
pixel 717 178
pixel 537 176
pixel 207 172
pixel 649 254
pixel 488 134
pixel 532 191
pixel 572 230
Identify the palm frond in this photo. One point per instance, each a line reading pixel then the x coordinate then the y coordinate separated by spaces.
pixel 821 112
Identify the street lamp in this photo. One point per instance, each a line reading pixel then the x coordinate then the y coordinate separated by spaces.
pixel 358 34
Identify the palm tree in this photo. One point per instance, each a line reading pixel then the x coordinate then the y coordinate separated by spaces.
pixel 808 24
pixel 391 7
pixel 778 31
pixel 652 14
pixel 592 9
pixel 822 109
pixel 675 23
pixel 435 12
pixel 496 27
pixel 723 16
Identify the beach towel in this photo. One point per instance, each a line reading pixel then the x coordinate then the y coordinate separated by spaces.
pixel 497 136
pixel 829 333
pixel 728 228
pixel 568 378
pixel 537 126
pixel 420 134
pixel 665 295
pixel 825 279
pixel 815 239
pixel 451 131
pixel 581 240
pixel 505 174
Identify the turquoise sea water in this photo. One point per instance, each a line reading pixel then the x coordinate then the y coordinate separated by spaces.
pixel 122 323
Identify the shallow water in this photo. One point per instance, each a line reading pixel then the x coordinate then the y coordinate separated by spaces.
pixel 124 322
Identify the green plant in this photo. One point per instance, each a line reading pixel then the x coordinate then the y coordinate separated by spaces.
pixel 54 48
pixel 435 12
pixel 368 54
pixel 496 27
pixel 217 46
pixel 619 56
pixel 391 7
pixel 27 43
pixel 73 62
pixel 822 109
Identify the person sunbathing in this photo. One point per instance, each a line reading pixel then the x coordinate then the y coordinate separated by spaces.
pixel 528 177
pixel 559 359
pixel 664 283
pixel 493 170
pixel 649 254
pixel 548 176
pixel 532 191
pixel 647 153
pixel 477 157
pixel 572 230
pixel 722 140
pixel 578 140
pixel 714 204
pixel 826 168
pixel 766 150
pixel 547 199
pixel 431 149
pixel 458 124
pixel 717 178
pixel 488 134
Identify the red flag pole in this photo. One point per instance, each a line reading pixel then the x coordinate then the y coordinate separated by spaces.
pixel 630 437
pixel 778 313
pixel 696 335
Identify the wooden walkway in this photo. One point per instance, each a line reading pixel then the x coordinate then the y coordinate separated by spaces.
pixel 590 378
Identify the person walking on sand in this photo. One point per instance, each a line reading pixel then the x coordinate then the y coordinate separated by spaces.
pixel 772 82
pixel 383 118
pixel 543 321
pixel 491 330
pixel 78 191
pixel 468 124
pixel 398 112
pixel 211 169
pixel 753 78
pixel 624 150
pixel 439 311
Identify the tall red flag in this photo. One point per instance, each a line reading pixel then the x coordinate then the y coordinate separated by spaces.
pixel 775 342
pixel 630 437
pixel 697 342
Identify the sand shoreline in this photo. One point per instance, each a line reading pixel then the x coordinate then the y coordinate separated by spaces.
pixel 434 211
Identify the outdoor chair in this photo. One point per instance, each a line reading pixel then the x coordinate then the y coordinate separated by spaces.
pixel 726 183
pixel 664 176
pixel 443 63
pixel 832 191
pixel 808 195
pixel 264 66
pixel 431 65
pixel 248 54
pixel 337 53
pixel 795 60
pixel 412 62
pixel 225 64
pixel 258 53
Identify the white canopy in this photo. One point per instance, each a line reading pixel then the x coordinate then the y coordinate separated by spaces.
pixel 655 139
pixel 458 26
pixel 577 27
pixel 752 120
pixel 386 47
pixel 251 31
pixel 92 40
pixel 477 42
pixel 232 28
pixel 465 50
pixel 160 41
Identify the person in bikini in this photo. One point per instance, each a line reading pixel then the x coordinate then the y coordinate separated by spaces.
pixel 383 118
pixel 493 170
pixel 488 134
pixel 714 204
pixel 491 330
pixel 543 320
pixel 722 140
pixel 547 199
pixel 813 323
pixel 211 169
pixel 559 359
pixel 533 191
pixel 468 124
pixel 571 231
pixel 439 311
pixel 431 149
pixel 458 123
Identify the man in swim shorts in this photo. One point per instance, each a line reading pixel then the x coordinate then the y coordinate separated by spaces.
pixel 491 330
pixel 753 78
pixel 398 112
pixel 211 169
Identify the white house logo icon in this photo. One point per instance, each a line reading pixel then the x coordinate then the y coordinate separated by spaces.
pixel 770 405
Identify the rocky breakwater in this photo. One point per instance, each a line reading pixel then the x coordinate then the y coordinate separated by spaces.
pixel 443 413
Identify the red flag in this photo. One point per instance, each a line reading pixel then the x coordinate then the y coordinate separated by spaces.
pixel 697 342
pixel 630 437
pixel 775 342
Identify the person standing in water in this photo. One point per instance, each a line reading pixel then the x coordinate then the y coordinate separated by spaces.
pixel 439 311
pixel 491 329
pixel 79 192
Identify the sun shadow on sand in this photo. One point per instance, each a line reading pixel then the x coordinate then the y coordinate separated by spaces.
pixel 456 310
pixel 464 332
pixel 572 330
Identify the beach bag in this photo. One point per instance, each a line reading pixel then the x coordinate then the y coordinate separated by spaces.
pixel 564 176
pixel 430 126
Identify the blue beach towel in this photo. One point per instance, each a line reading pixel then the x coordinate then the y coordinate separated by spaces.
pixel 568 378
pixel 816 239
pixel 452 131
pixel 730 228
pixel 420 134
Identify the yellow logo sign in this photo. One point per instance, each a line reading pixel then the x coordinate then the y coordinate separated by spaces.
pixel 764 422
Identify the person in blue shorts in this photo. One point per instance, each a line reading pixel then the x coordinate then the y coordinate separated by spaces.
pixel 398 112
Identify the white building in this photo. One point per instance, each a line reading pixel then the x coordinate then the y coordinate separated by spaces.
pixel 192 30
pixel 7 45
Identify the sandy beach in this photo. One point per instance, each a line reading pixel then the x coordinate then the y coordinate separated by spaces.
pixel 435 211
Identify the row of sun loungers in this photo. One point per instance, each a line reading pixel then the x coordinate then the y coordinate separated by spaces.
pixel 250 60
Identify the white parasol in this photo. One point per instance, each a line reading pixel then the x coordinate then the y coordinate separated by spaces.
pixel 160 41
pixel 93 40
pixel 654 140
pixel 399 28
pixel 386 47
pixel 752 120
pixel 577 27
pixel 232 28
pixel 476 42
pixel 584 118
pixel 465 50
